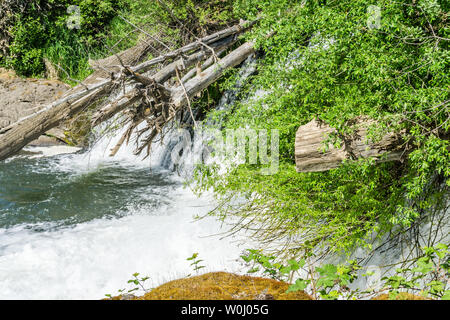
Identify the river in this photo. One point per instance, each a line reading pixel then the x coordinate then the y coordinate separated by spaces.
pixel 77 226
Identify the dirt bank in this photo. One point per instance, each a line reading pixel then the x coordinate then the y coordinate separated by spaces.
pixel 20 97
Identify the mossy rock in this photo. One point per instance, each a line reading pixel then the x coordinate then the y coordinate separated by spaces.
pixel 224 286
pixel 400 296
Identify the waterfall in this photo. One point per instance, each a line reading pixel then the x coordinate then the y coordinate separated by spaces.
pixel 79 225
pixel 130 215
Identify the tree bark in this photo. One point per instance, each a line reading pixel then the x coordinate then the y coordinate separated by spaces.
pixel 25 132
pixel 311 154
pixel 14 137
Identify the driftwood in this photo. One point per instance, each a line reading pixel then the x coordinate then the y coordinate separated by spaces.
pixel 153 98
pixel 313 155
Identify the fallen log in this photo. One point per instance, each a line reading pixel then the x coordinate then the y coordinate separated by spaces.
pixel 25 132
pixel 210 75
pixel 161 77
pixel 313 155
pixel 163 102
pixel 181 95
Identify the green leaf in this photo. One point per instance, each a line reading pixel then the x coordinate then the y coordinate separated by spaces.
pixel 299 285
pixel 194 256
pixel 253 270
pixel 294 265
pixel 446 295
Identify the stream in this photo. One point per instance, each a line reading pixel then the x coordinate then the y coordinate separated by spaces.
pixel 77 226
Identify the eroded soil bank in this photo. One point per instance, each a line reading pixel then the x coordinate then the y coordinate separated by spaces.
pixel 21 97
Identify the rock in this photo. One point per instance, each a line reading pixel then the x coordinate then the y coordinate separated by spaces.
pixel 224 286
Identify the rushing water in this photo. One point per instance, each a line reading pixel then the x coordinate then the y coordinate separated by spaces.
pixel 77 226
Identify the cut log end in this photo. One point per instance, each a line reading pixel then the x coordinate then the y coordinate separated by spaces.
pixel 312 155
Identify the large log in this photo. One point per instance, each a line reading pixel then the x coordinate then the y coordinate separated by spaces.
pixel 210 75
pixel 25 132
pixel 312 155
pixel 180 96
pixel 161 77
pixel 14 137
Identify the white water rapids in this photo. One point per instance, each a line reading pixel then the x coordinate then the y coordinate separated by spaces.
pixel 55 245
pixel 97 257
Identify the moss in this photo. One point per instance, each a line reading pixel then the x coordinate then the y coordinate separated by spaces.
pixel 224 286
pixel 400 296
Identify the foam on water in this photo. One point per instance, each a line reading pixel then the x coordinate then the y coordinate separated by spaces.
pixel 50 151
pixel 97 257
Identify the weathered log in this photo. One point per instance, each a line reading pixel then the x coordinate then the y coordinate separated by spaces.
pixel 16 136
pixel 25 132
pixel 111 109
pixel 98 77
pixel 181 95
pixel 313 155
pixel 161 76
pixel 210 75
pixel 199 44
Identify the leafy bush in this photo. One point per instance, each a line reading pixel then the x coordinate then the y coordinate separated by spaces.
pixel 429 278
pixel 41 31
pixel 324 62
pixel 26 51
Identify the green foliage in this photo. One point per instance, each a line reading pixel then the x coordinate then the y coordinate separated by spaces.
pixel 41 32
pixel 429 278
pixel 26 51
pixel 138 284
pixel 269 265
pixel 324 62
pixel 343 214
pixel 328 282
pixel 195 263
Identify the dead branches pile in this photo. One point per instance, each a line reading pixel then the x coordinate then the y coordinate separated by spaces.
pixel 142 93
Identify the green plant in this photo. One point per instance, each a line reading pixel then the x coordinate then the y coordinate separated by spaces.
pixel 270 267
pixel 429 276
pixel 139 283
pixel 324 62
pixel 195 263
pixel 40 31
pixel 327 282
pixel 26 53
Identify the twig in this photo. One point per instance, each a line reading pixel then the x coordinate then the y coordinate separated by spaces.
pixel 146 33
pixel 187 96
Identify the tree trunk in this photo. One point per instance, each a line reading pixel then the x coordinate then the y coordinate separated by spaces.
pixel 14 137
pixel 25 132
pixel 311 154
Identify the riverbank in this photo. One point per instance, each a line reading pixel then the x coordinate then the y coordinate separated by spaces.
pixel 22 97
